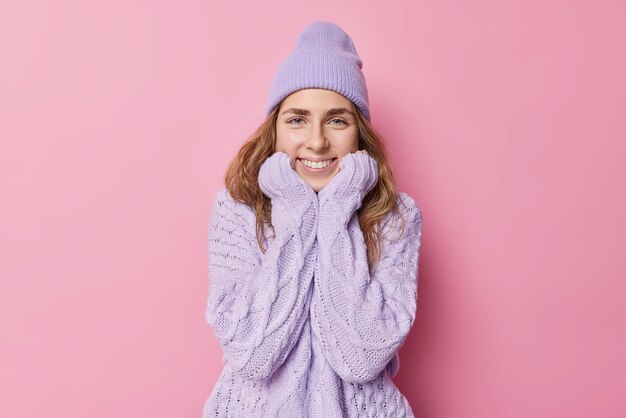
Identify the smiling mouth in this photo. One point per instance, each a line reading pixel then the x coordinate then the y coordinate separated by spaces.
pixel 317 167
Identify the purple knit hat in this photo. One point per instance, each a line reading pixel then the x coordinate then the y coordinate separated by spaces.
pixel 325 58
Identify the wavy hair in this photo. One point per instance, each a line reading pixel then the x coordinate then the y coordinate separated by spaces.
pixel 242 183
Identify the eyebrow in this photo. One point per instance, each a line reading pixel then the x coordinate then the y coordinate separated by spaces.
pixel 331 112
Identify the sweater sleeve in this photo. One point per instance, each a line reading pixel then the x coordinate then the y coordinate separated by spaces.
pixel 362 319
pixel 257 302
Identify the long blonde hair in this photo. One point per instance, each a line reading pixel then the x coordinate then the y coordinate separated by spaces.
pixel 242 184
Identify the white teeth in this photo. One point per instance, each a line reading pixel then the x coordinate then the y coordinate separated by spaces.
pixel 321 164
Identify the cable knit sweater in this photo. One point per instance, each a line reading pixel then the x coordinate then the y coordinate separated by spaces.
pixel 306 330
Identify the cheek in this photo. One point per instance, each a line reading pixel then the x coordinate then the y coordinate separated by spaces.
pixel 287 141
pixel 281 142
pixel 347 143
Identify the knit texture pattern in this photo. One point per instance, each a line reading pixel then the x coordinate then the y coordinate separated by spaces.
pixel 306 329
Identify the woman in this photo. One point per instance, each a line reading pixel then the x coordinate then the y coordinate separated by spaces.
pixel 313 253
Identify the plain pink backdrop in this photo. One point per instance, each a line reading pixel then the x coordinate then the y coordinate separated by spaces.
pixel 504 120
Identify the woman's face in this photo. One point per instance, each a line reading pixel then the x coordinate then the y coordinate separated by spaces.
pixel 316 127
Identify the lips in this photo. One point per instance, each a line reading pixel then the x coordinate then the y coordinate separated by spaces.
pixel 312 170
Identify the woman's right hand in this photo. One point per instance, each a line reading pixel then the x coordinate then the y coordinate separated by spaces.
pixel 279 181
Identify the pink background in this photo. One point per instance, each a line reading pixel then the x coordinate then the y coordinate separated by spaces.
pixel 505 121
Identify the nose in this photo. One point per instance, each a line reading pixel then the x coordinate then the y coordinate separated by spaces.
pixel 317 140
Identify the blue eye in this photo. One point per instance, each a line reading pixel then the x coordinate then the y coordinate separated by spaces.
pixel 294 119
pixel 339 120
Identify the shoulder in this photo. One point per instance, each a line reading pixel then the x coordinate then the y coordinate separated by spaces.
pixel 405 220
pixel 232 225
pixel 225 206
pixel 223 196
pixel 408 208
pixel 225 199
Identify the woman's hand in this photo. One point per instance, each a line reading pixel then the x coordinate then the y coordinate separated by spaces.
pixel 358 174
pixel 279 181
pixel 360 171
pixel 277 176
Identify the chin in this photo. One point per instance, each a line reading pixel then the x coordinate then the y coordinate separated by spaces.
pixel 316 187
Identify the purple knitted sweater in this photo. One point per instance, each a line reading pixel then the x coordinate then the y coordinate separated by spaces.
pixel 306 330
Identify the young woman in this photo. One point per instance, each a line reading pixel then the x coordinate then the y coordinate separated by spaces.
pixel 313 253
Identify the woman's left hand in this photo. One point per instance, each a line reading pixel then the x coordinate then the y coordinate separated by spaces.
pixel 358 170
